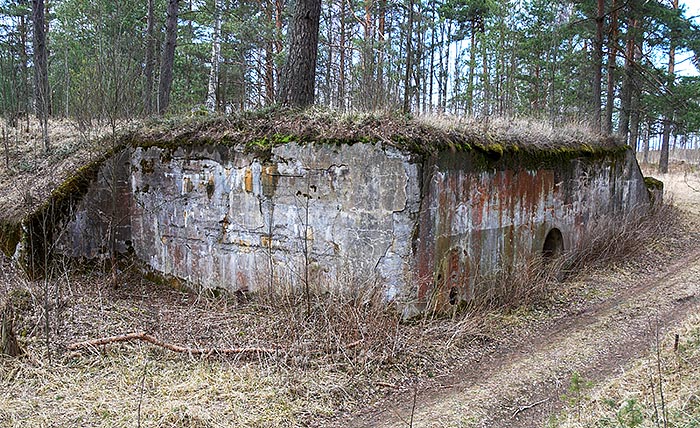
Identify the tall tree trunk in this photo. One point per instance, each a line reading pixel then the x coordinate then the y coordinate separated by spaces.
pixel 268 8
pixel 381 42
pixel 431 65
pixel 299 73
pixel 612 65
pixel 328 78
pixel 215 55
pixel 279 46
pixel 634 102
pixel 668 116
pixel 472 66
pixel 628 80
pixel 41 72
pixel 486 108
pixel 646 137
pixel 368 92
pixel 418 59
pixel 150 59
pixel 598 67
pixel 409 60
pixel 23 104
pixel 341 65
pixel 166 66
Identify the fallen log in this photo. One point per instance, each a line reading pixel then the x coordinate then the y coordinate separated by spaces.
pixel 142 336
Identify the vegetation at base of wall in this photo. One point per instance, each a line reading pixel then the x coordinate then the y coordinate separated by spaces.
pixel 612 240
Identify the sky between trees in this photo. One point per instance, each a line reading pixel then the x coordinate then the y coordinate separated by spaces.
pixel 481 58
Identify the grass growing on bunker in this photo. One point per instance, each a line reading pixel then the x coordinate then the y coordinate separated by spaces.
pixel 33 173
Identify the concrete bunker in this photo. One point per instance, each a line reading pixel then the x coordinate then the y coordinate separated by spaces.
pixel 421 222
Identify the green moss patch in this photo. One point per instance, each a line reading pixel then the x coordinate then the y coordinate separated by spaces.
pixel 653 184
pixel 10 236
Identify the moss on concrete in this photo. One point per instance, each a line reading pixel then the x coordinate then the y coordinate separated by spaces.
pixel 10 236
pixel 259 133
pixel 653 184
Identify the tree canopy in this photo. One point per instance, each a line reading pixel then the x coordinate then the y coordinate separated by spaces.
pixel 481 58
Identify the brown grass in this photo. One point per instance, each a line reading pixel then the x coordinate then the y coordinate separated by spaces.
pixel 349 350
pixel 633 240
pixel 344 353
pixel 425 134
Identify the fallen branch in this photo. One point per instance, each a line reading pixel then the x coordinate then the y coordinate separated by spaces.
pixel 387 385
pixel 354 344
pixel 529 406
pixel 169 346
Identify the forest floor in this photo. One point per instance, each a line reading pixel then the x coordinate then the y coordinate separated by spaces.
pixel 596 365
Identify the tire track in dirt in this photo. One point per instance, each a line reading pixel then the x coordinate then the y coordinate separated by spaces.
pixel 519 384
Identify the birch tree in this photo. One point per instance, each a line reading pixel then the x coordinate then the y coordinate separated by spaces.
pixel 41 71
pixel 215 56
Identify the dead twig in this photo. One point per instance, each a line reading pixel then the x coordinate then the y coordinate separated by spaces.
pixel 387 385
pixel 354 344
pixel 528 406
pixel 169 346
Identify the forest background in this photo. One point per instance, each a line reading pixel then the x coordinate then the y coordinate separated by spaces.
pixel 611 65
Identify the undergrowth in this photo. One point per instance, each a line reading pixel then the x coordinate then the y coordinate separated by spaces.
pixel 659 390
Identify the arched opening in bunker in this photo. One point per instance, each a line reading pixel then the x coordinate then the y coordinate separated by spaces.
pixel 553 244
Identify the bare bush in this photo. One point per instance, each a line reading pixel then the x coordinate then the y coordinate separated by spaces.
pixel 615 240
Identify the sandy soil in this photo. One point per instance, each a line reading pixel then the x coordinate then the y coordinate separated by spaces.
pixel 523 381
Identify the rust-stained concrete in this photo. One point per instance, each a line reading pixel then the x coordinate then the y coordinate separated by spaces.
pixel 422 227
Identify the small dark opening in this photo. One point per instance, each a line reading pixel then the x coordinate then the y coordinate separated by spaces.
pixel 453 296
pixel 553 244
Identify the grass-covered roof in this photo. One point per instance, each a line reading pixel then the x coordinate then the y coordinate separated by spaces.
pixel 32 175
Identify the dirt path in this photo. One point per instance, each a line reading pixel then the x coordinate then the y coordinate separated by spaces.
pixel 521 382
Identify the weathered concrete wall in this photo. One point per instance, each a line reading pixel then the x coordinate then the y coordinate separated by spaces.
pixel 231 220
pixel 360 214
pixel 101 221
pixel 480 223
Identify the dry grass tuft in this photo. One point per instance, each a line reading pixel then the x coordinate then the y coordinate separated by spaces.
pixel 615 240
pixel 645 239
